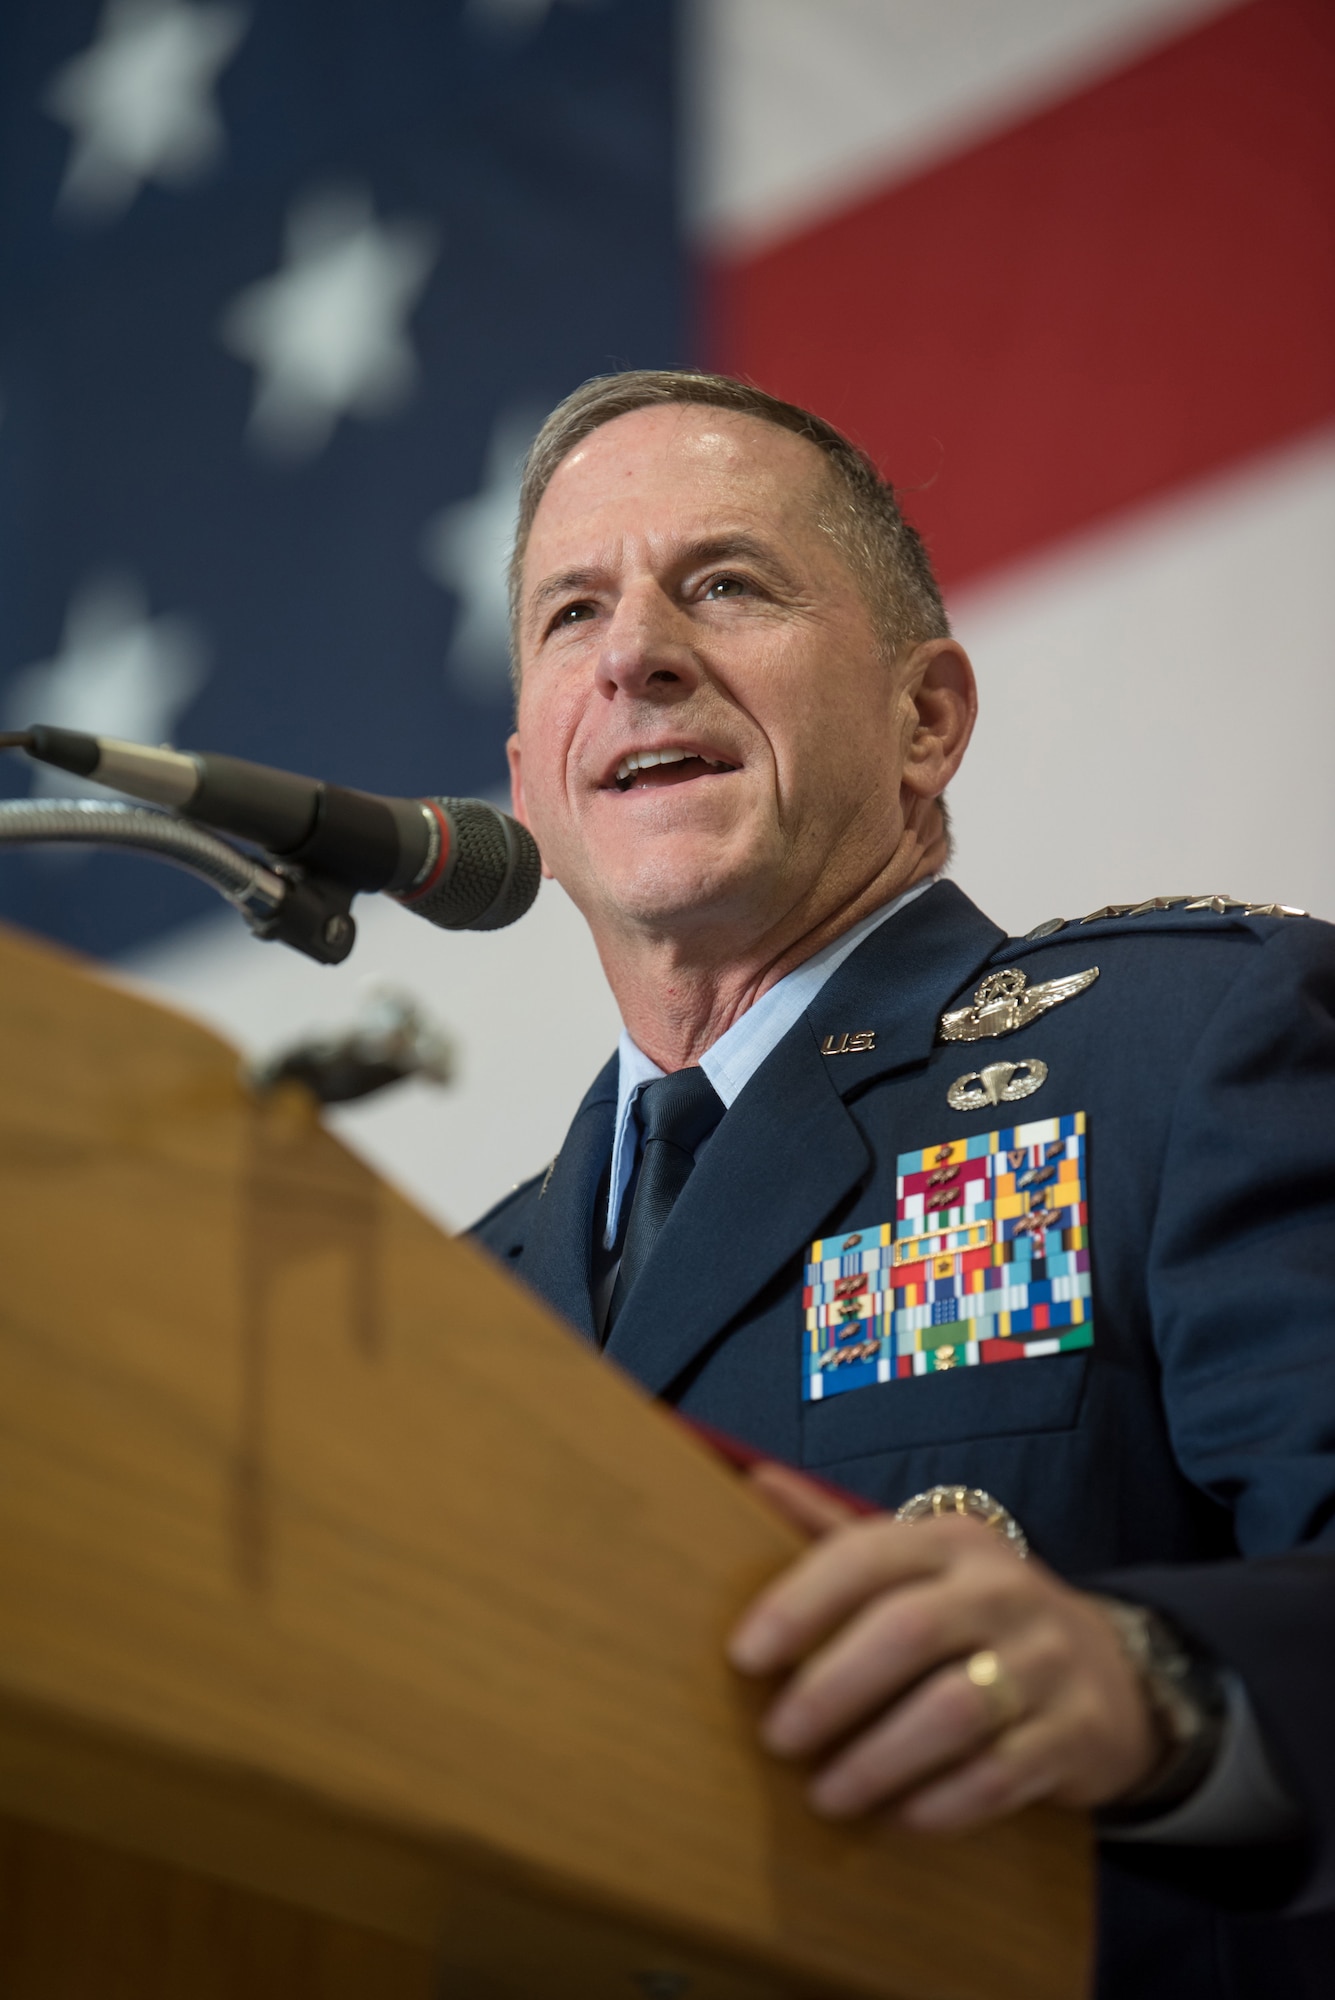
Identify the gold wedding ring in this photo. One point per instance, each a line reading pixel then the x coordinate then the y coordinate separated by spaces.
pixel 1004 1700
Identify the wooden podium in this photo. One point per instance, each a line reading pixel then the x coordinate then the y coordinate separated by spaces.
pixel 360 1629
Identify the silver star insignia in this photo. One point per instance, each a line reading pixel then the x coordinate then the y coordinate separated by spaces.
pixel 1145 909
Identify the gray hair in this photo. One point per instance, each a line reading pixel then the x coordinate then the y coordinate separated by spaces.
pixel 858 511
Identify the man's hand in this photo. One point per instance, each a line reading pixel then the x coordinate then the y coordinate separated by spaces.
pixel 877 1622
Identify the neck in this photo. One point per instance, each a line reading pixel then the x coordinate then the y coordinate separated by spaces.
pixel 679 990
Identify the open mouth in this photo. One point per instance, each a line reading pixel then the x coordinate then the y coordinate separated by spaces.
pixel 645 770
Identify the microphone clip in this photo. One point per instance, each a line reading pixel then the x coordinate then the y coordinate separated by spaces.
pixel 314 917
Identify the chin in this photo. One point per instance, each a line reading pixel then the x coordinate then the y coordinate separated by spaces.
pixel 666 889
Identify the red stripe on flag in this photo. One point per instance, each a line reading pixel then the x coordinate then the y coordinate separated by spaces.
pixel 1130 290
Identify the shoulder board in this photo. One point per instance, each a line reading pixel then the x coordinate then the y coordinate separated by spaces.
pixel 1006 1000
pixel 1181 906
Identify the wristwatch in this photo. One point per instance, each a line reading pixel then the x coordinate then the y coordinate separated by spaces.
pixel 1185 1695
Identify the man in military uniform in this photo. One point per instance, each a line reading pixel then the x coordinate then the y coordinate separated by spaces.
pixel 1014 1237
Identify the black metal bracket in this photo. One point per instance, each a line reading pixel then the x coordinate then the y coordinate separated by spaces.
pixel 314 917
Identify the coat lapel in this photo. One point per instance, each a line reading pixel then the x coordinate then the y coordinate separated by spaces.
pixel 782 1157
pixel 788 1151
pixel 557 1254
pixel 900 982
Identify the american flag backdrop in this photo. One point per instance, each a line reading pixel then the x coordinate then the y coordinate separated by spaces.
pixel 286 284
pixel 1067 267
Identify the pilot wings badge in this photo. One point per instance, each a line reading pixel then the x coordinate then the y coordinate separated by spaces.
pixel 1006 1001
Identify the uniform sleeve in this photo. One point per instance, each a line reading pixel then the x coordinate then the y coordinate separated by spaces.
pixel 1242 1299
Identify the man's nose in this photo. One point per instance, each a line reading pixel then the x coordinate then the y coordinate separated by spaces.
pixel 647 650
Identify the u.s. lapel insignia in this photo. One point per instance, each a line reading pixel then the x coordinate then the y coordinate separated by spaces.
pixel 987 1260
pixel 1006 1001
pixel 849 1045
pixel 997 1083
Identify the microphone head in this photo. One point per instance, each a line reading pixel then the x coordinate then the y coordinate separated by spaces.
pixel 492 873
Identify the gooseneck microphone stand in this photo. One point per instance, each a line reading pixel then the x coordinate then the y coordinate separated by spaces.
pixel 258 892
pixel 287 906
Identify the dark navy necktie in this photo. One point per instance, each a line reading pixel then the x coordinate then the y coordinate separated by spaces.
pixel 677 1114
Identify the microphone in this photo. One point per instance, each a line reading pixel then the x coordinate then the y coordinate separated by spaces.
pixel 459 863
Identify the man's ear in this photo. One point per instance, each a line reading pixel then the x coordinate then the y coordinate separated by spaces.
pixel 940 687
pixel 515 760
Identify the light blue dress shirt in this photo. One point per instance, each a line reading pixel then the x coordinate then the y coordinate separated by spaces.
pixel 737 1054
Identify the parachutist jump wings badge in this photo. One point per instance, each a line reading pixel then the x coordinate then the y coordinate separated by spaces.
pixel 1006 1001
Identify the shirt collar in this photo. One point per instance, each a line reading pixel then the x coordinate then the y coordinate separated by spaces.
pixel 738 1053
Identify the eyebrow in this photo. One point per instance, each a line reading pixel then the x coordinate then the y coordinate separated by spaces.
pixel 734 547
pixel 708 548
pixel 561 584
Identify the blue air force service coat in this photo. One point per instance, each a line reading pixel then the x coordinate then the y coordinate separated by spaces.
pixel 1084 1259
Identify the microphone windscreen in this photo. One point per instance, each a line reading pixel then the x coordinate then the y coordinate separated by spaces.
pixel 491 876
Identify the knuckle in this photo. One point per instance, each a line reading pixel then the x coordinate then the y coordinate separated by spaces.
pixel 1048 1645
pixel 994 1783
pixel 910 1625
pixel 996 1595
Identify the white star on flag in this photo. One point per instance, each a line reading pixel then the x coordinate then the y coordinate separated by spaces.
pixel 328 332
pixel 119 672
pixel 139 102
pixel 466 547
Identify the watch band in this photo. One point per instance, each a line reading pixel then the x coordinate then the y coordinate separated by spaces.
pixel 1185 1696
